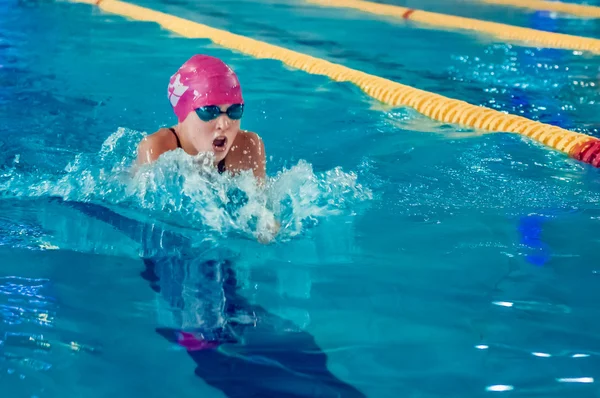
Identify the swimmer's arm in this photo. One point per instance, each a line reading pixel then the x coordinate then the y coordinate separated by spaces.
pixel 258 163
pixel 258 158
pixel 260 173
pixel 145 152
pixel 149 149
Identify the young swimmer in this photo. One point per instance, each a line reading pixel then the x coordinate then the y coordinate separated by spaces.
pixel 207 99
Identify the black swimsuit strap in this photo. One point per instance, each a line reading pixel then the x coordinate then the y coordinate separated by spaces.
pixel 220 166
pixel 176 137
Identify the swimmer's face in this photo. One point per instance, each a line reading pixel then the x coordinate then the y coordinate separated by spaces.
pixel 215 135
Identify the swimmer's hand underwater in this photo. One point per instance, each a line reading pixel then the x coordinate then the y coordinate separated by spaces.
pixel 207 99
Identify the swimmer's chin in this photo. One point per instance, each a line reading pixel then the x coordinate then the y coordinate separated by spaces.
pixel 210 155
pixel 205 158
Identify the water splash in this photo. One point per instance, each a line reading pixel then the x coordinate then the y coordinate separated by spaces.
pixel 186 191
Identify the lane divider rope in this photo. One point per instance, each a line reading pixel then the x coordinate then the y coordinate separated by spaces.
pixel 579 146
pixel 581 10
pixel 504 32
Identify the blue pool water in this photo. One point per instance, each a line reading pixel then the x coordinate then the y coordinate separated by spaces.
pixel 416 258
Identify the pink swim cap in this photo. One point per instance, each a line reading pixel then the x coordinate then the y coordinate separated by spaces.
pixel 200 81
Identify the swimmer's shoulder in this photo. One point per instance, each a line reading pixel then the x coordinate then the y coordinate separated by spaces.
pixel 249 153
pixel 152 146
pixel 251 141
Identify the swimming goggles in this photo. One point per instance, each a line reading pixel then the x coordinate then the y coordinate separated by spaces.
pixel 210 112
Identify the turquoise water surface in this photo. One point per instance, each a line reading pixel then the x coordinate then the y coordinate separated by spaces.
pixel 416 259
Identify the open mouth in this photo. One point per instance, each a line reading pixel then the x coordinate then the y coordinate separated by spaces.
pixel 219 144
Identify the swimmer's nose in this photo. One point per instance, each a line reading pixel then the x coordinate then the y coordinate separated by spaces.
pixel 223 122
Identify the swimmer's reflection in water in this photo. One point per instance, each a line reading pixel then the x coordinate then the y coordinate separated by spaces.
pixel 238 347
